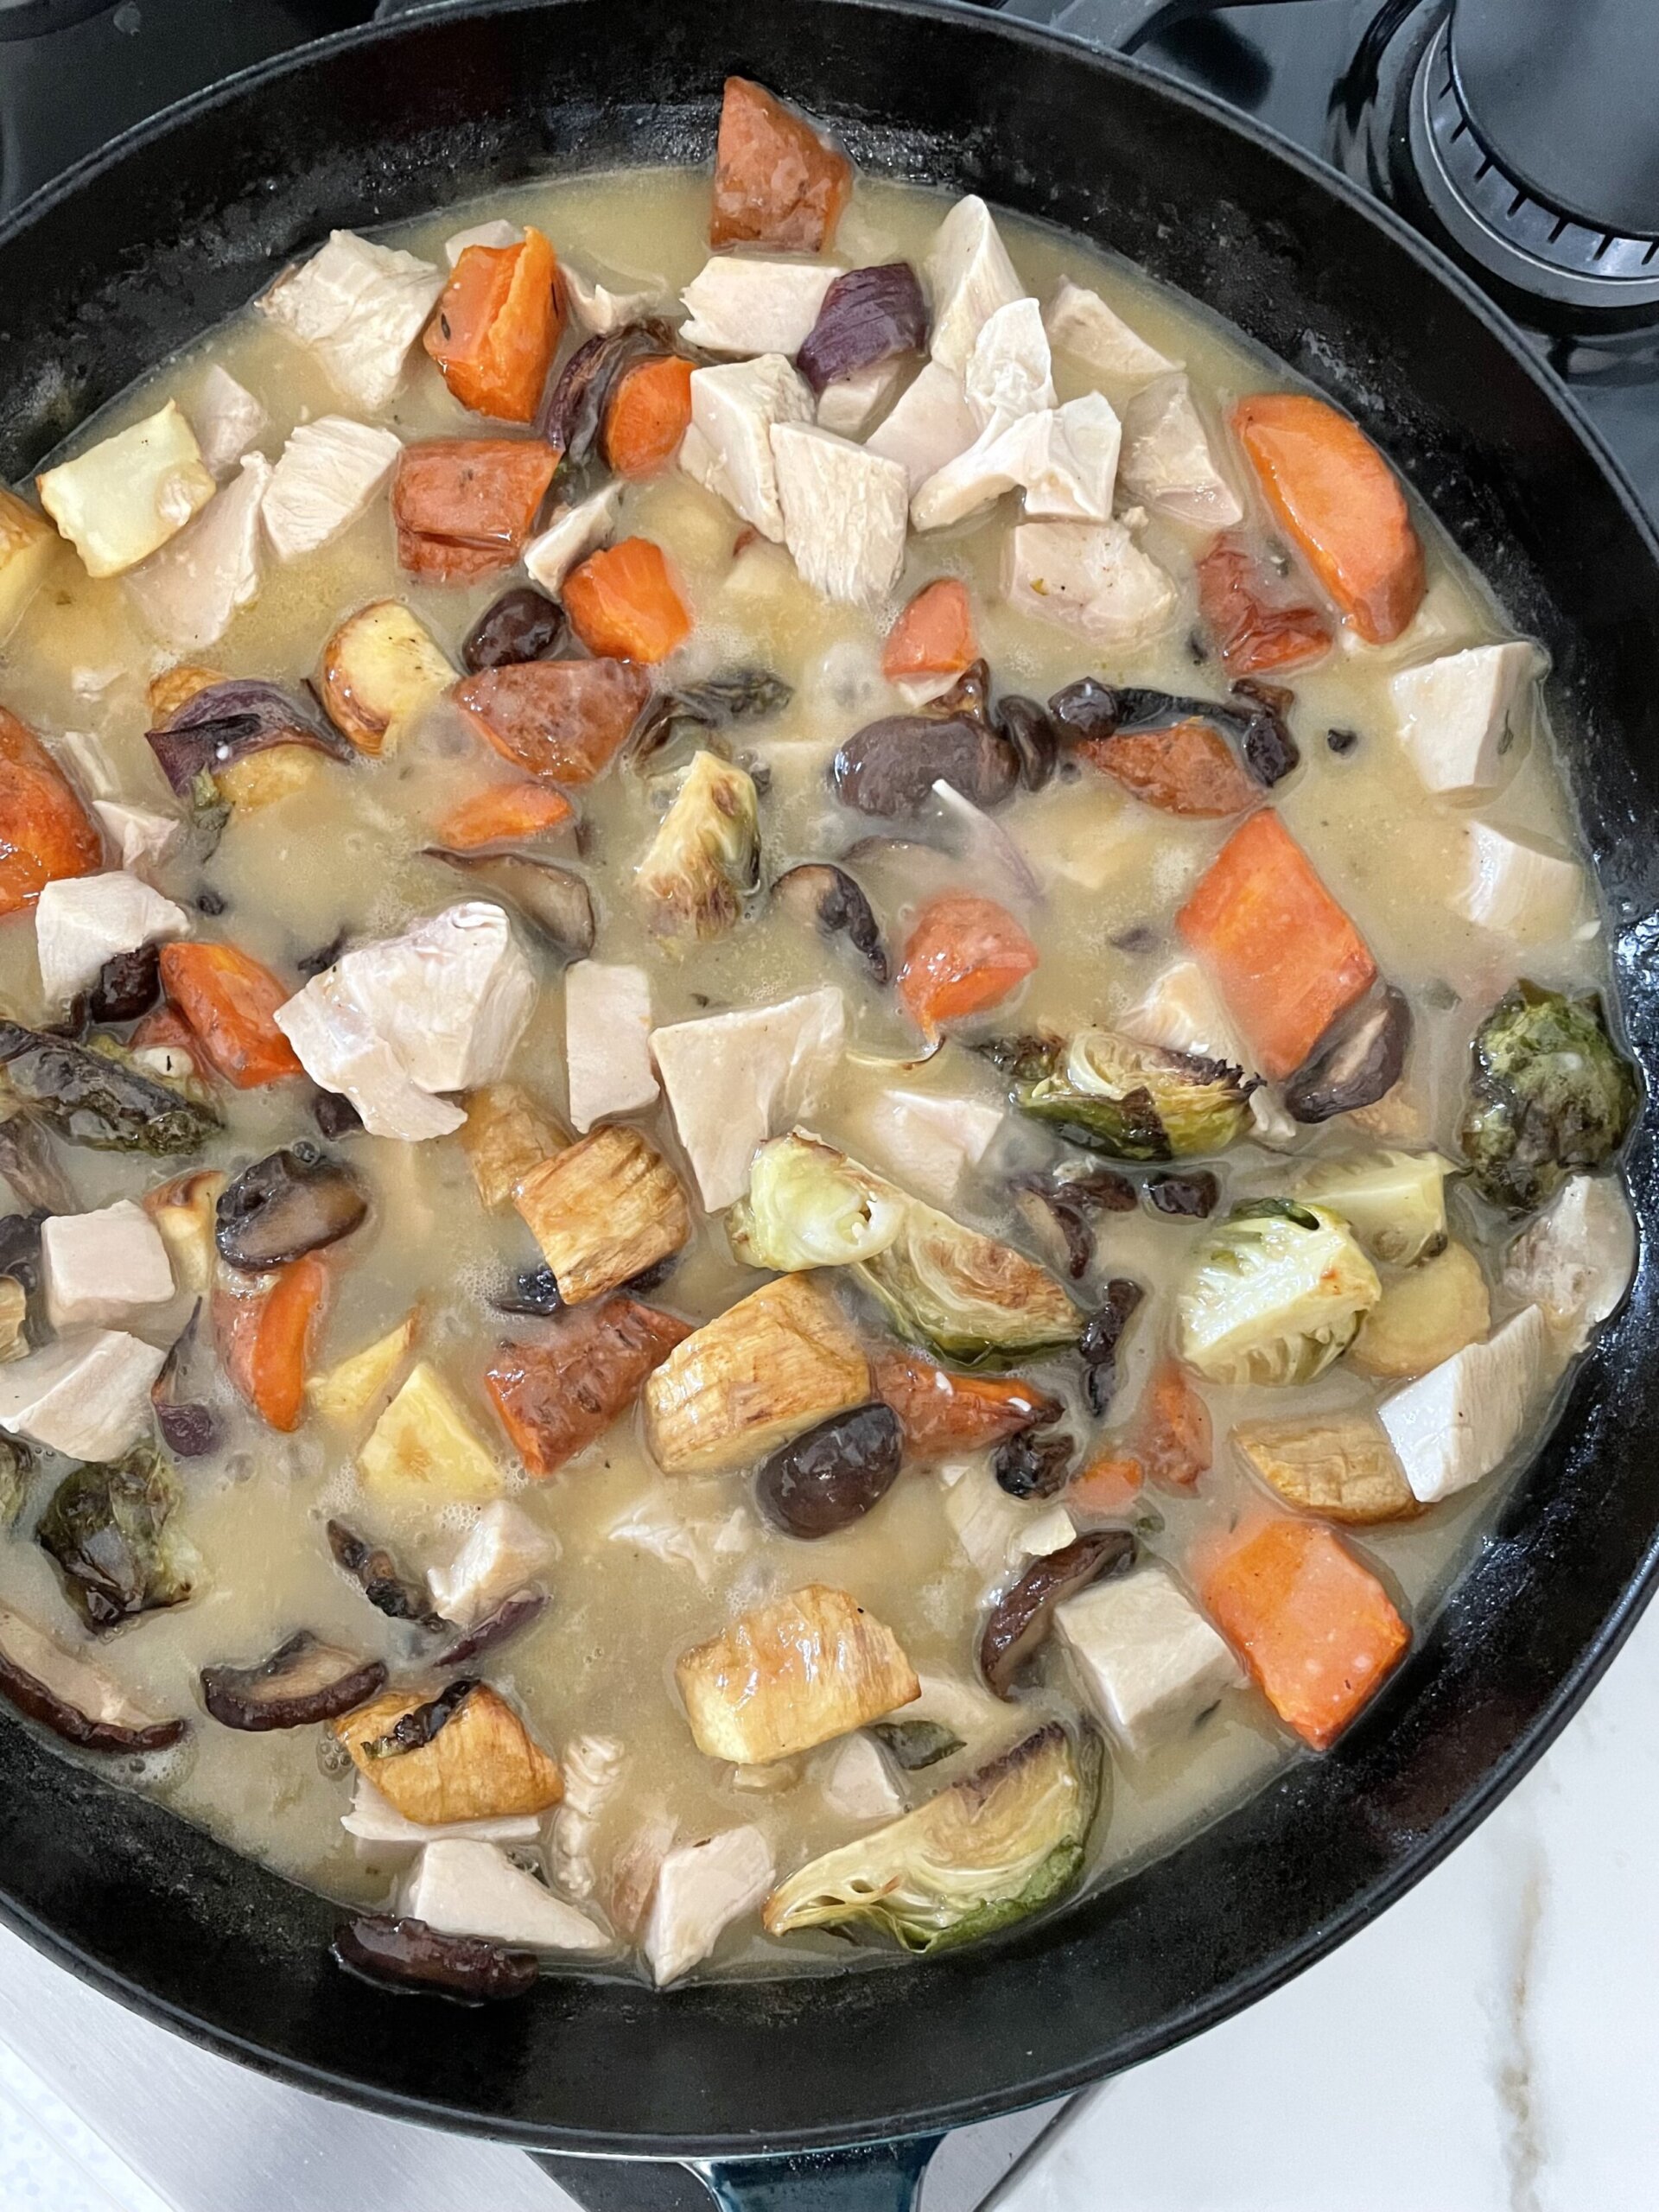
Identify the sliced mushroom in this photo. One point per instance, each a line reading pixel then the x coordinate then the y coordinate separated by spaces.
pixel 72 1698
pixel 833 1475
pixel 735 694
pixel 1069 1205
pixel 1358 1060
pixel 27 1164
pixel 375 1572
pixel 189 1428
pixel 382 1947
pixel 532 1291
pixel 554 900
pixel 826 898
pixel 414 1729
pixel 1030 732
pixel 1191 1197
pixel 890 766
pixel 290 1203
pixel 127 986
pixel 504 1620
pixel 1097 1345
pixel 577 412
pixel 1034 1465
pixel 522 625
pixel 1021 1622
pixel 303 1682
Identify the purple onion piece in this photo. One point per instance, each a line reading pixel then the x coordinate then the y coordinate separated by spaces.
pixel 869 316
pixel 225 722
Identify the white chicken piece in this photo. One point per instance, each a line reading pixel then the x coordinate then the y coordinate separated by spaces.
pixel 845 512
pixel 392 1026
pixel 973 480
pixel 375 1821
pixel 1575 1262
pixel 599 309
pixel 661 1530
pixel 1149 1660
pixel 1518 888
pixel 1454 714
pixel 702 1888
pixel 1453 1426
pixel 465 1888
pixel 226 419
pixel 123 499
pixel 89 758
pixel 504 1552
pixel 81 921
pixel 997 1531
pixel 930 424
pixel 1089 576
pixel 327 474
pixel 498 233
pixel 1010 371
pixel 856 1781
pixel 969 276
pixel 927 1139
pixel 88 1395
pixel 1181 1012
pixel 573 534
pixel 608 1041
pixel 733 1079
pixel 189 592
pixel 850 405
pixel 1065 458
pixel 734 407
pixel 139 837
pixel 1166 460
pixel 359 308
pixel 104 1269
pixel 593 1771
pixel 1080 323
pixel 744 303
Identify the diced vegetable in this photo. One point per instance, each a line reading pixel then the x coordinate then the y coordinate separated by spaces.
pixel 381 669
pixel 212 727
pixel 963 956
pixel 100 1097
pixel 1019 1623
pixel 892 765
pixel 554 1397
pixel 496 327
pixel 777 182
pixel 1106 1487
pixel 1316 1629
pixel 28 547
pixel 766 1369
pixel 1424 1317
pixel 1356 1061
pixel 504 814
pixel 108 1529
pixel 1274 1294
pixel 1576 1260
pixel 45 832
pixel 828 899
pixel 424 1450
pixel 1174 1438
pixel 564 720
pixel 1147 1657
pixel 1133 1102
pixel 705 857
pixel 579 410
pixel 934 635
pixel 624 604
pixel 1186 769
pixel 230 1001
pixel 603 1211
pixel 823 1481
pixel 1454 1425
pixel 303 1682
pixel 809 1205
pixel 124 497
pixel 464 507
pixel 869 317
pixel 1394 1202
pixel 265 1326
pixel 1340 1467
pixel 790 1674
pixel 185 1212
pixel 988 1851
pixel 507 1133
pixel 1259 625
pixel 944 1414
pixel 1549 1093
pixel 1285 956
pixel 1341 505
pixel 523 624
pixel 649 409
pixel 462 1756
pixel 347 1392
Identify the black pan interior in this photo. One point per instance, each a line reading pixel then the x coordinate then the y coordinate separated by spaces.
pixel 142 251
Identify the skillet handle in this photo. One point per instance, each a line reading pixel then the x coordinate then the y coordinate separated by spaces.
pixel 865 2177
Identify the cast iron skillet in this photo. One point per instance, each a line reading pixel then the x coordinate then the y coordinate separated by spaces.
pixel 181 223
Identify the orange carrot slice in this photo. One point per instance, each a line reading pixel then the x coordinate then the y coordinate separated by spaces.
pixel 265 1336
pixel 941 1411
pixel 1316 1629
pixel 1187 768
pixel 776 181
pixel 934 635
pixel 46 833
pixel 1340 503
pixel 623 604
pixel 561 719
pixel 1287 958
pixel 229 999
pixel 647 416
pixel 505 814
pixel 1257 625
pixel 1174 1435
pixel 1107 1487
pixel 964 955
pixel 496 327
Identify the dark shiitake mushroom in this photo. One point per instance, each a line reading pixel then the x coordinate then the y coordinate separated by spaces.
pixel 1253 719
pixel 382 1947
pixel 1070 1204
pixel 869 316
pixel 1021 1622
pixel 506 1620
pixel 224 722
pixel 98 1098
pixel 1191 1197
pixel 72 1698
pixel 826 898
pixel 303 1682
pixel 917 1744
pixel 128 985
pixel 554 900
pixel 189 1428
pixel 1270 752
pixel 890 765
pixel 833 1475
pixel 375 1572
pixel 26 1163
pixel 1033 1464
pixel 1359 1058
pixel 532 1291
pixel 22 1321
pixel 1031 733
pixel 290 1203
pixel 336 1116
pixel 522 625
pixel 414 1729
pixel 734 694
pixel 1097 1345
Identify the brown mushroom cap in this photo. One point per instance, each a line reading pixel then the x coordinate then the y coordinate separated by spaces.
pixel 382 1947
pixel 304 1681
pixel 1021 1622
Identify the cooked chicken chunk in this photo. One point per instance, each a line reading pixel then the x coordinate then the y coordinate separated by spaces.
pixel 790 1674
pixel 608 1041
pixel 928 1139
pixel 930 426
pixel 189 592
pixel 1089 576
pixel 123 499
pixel 474 1889
pixel 1166 460
pixel 86 1396
pixel 328 472
pixel 573 534
pixel 373 1819
pixel 81 921
pixel 755 303
pixel 1009 372
pixel 1515 887
pixel 733 1080
pixel 226 419
pixel 1455 714
pixel 593 1773
pixel 1146 1655
pixel 845 511
pixel 734 407
pixel 359 308
pixel 857 1782
pixel 850 405
pixel 139 837
pixel 599 310
pixel 701 1889
pixel 1065 458
pixel 424 1451
pixel 997 1531
pixel 1576 1260
pixel 1080 323
pixel 496 233
pixel 104 1268
pixel 969 276
pixel 1454 1425
pixel 504 1552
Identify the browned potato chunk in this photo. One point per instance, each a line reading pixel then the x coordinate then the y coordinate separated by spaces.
pixel 378 670
pixel 470 1757
pixel 1398 1117
pixel 28 546
pixel 345 1393
pixel 1424 1317
pixel 1342 1466
pixel 791 1675
pixel 424 1451
pixel 261 778
pixel 774 1364
pixel 603 1211
pixel 507 1133
pixel 175 687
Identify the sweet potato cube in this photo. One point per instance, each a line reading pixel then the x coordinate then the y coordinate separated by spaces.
pixel 46 833
pixel 562 720
pixel 603 1211
pixel 496 328
pixel 624 604
pixel 465 507
pixel 555 1396
pixel 776 181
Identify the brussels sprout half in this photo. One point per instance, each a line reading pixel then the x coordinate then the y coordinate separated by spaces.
pixel 1550 1093
pixel 705 858
pixel 1133 1101
pixel 1276 1293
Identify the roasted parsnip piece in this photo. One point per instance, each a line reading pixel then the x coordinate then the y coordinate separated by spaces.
pixel 603 1211
pixel 1340 1465
pixel 773 1364
pixel 423 1447
pixel 345 1393
pixel 183 1211
pixel 463 1754
pixel 507 1133
pixel 791 1675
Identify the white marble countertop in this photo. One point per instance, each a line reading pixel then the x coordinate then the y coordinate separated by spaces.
pixel 1485 2047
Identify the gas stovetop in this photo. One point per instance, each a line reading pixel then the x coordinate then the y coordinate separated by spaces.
pixel 1521 135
